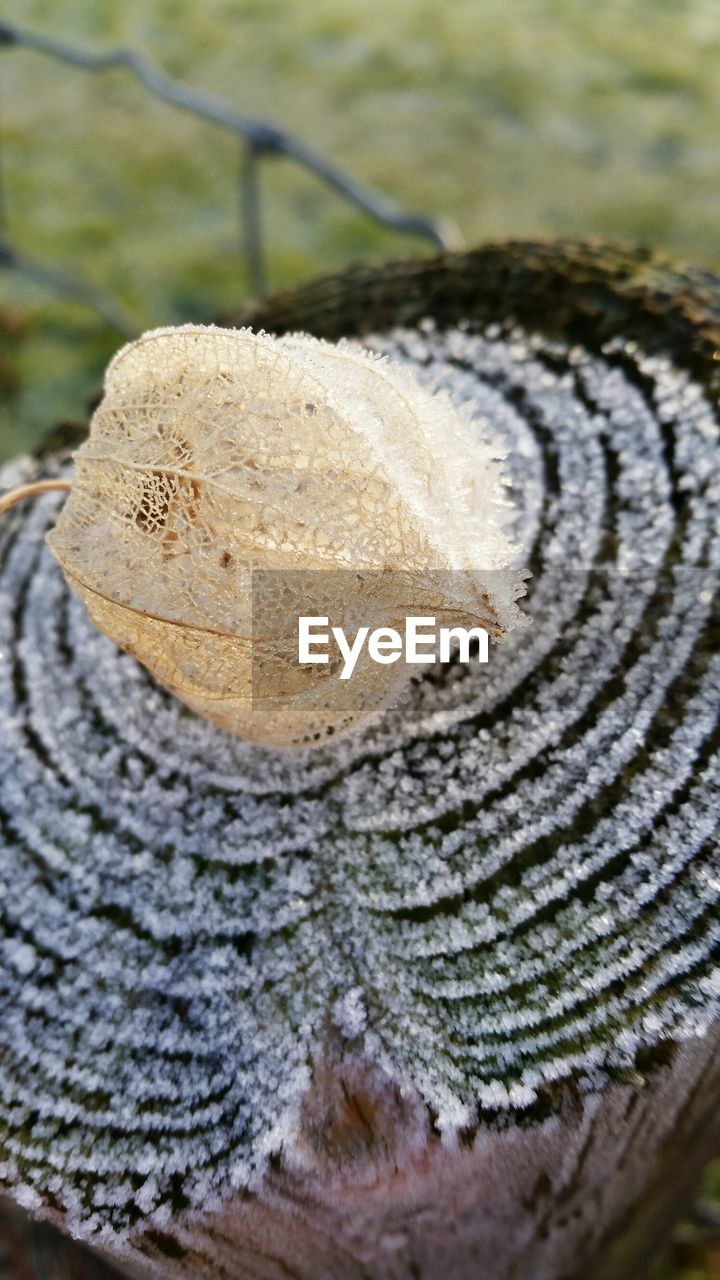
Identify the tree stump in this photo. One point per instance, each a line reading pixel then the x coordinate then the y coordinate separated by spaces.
pixel 441 998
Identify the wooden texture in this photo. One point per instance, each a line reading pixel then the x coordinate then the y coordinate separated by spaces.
pixel 440 999
pixel 589 1193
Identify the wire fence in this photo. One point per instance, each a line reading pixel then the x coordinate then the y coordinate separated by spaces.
pixel 258 139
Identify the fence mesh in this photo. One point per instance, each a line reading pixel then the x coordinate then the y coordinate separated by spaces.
pixel 258 139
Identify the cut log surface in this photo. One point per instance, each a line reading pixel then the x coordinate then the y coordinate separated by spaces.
pixel 440 999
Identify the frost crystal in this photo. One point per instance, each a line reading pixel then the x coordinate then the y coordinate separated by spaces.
pixel 510 878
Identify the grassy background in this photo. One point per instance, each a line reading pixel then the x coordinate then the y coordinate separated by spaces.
pixel 544 116
pixel 536 117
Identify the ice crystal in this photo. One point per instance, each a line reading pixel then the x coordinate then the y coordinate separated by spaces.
pixel 511 877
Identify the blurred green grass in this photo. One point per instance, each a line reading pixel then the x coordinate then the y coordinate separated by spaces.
pixel 545 117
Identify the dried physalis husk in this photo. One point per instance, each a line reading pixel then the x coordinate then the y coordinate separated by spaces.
pixel 232 481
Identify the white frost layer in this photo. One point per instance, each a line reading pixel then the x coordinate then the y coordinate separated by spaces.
pixel 183 914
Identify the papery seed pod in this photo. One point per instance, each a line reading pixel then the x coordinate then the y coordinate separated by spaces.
pixel 232 480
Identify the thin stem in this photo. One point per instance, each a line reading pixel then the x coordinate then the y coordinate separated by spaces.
pixel 8 500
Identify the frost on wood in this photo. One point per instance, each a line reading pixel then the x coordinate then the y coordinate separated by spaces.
pixel 509 881
pixel 220 455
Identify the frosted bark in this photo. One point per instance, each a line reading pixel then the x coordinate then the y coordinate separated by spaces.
pixel 443 995
pixel 587 1195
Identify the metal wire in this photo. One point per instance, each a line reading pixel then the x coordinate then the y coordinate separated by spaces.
pixel 260 138
pixel 67 286
pixel 251 219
